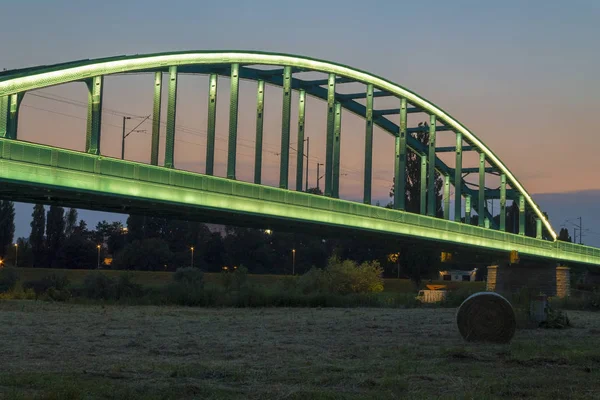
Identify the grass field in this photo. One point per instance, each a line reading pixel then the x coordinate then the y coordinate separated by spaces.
pixel 159 278
pixel 66 351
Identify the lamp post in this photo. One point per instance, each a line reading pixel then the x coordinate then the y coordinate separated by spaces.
pixel 192 263
pixel 318 177
pixel 98 247
pixel 293 261
pixel 16 254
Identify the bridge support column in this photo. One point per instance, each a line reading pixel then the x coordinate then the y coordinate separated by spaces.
pixel 3 115
pixel 300 141
pixel 156 118
pixel 400 167
pixel 94 117
pixel 538 228
pixel 446 196
pixel 503 202
pixel 468 209
pixel 337 137
pixel 423 202
pixel 368 146
pixel 171 118
pixel 458 179
pixel 12 122
pixel 330 133
pixel 212 123
pixel 431 195
pixel 538 277
pixel 233 117
pixel 482 204
pixel 521 215
pixel 285 128
pixel 260 110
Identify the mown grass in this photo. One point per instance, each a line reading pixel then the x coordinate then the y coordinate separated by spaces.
pixel 161 278
pixel 67 351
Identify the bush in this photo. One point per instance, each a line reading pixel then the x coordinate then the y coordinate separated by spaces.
pixel 127 288
pixel 8 279
pixel 99 286
pixel 343 277
pixel 236 280
pixel 53 285
pixel 454 298
pixel 189 275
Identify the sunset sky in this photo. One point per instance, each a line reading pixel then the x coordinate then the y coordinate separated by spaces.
pixel 523 76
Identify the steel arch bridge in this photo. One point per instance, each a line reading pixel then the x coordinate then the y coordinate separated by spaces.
pixel 32 172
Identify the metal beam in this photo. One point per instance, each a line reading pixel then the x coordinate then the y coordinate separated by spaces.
pixel 3 115
pixel 400 167
pixel 300 141
pixel 481 197
pixel 211 123
pixel 503 202
pixel 446 197
pixel 538 228
pixel 458 182
pixel 521 215
pixel 356 96
pixel 431 195
pixel 423 203
pixel 329 138
pixel 233 117
pixel 476 170
pixel 468 209
pixel 13 115
pixel 337 136
pixel 156 105
pixel 94 121
pixel 284 160
pixel 452 149
pixel 368 146
pixel 395 111
pixel 323 82
pixel 260 115
pixel 171 119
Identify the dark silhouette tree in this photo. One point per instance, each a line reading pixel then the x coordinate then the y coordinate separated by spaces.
pixel 564 235
pixel 55 232
pixel 135 227
pixel 7 226
pixel 70 222
pixel 36 238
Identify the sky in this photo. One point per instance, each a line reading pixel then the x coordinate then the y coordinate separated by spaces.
pixel 521 75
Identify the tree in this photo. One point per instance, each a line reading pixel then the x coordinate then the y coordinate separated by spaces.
pixel 144 255
pixel 36 238
pixel 55 232
pixel 412 193
pixel 315 190
pixel 77 252
pixel 564 235
pixel 7 226
pixel 135 227
pixel 70 222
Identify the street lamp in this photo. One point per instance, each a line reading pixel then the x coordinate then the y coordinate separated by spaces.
pixel 98 247
pixel 192 263
pixel 16 254
pixel 319 177
pixel 293 261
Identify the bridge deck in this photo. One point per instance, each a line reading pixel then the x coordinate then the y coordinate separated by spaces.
pixel 97 179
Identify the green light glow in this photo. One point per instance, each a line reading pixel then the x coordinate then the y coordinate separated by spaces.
pixel 90 175
pixel 92 68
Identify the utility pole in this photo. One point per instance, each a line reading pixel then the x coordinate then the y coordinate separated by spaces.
pixel 307 159
pixel 580 229
pixel 123 140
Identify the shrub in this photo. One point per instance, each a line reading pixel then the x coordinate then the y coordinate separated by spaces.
pixel 99 286
pixel 343 277
pixel 454 298
pixel 235 280
pixel 8 279
pixel 189 275
pixel 53 285
pixel 127 288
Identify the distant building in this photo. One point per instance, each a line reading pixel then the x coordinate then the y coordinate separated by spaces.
pixel 458 275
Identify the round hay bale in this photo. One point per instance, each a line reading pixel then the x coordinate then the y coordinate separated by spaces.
pixel 486 317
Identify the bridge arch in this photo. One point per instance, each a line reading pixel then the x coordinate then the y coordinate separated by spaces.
pixel 14 84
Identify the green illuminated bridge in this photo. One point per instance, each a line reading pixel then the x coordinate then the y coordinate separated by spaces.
pixel 33 172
